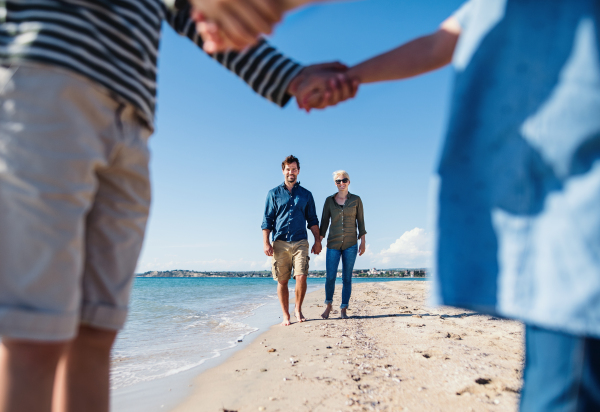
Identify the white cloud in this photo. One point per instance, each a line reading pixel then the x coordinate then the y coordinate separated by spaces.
pixel 412 249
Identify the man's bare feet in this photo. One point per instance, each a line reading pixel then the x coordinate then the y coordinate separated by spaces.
pixel 286 321
pixel 343 314
pixel 325 315
pixel 300 316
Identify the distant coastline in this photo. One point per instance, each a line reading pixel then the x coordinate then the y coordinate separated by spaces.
pixel 360 273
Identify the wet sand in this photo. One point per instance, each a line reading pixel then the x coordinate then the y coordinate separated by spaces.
pixel 393 354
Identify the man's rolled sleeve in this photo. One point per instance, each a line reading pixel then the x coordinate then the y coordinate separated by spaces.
pixel 268 222
pixel 311 212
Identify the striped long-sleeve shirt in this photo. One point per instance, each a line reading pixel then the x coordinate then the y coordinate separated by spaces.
pixel 115 43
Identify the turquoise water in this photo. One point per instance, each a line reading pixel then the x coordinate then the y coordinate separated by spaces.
pixel 176 324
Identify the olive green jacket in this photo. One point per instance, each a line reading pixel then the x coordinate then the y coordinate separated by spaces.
pixel 344 222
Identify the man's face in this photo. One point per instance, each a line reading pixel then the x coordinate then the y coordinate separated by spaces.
pixel 291 171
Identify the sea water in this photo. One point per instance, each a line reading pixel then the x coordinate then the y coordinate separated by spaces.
pixel 177 324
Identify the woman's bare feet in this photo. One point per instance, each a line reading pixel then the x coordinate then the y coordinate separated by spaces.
pixel 300 316
pixel 343 314
pixel 325 315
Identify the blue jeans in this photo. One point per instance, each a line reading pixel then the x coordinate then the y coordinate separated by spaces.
pixel 562 372
pixel 332 263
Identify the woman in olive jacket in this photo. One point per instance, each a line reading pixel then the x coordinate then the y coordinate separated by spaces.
pixel 345 211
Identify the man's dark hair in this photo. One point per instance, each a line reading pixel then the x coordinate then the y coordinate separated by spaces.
pixel 289 160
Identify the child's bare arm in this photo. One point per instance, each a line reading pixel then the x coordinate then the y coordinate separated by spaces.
pixel 418 56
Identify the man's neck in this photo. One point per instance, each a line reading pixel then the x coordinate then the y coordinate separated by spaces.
pixel 289 186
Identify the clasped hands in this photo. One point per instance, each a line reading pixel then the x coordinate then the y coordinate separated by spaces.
pixel 322 85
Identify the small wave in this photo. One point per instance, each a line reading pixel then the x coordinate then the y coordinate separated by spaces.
pixel 167 334
pixel 231 324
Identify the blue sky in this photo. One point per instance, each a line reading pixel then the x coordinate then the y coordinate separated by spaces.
pixel 218 146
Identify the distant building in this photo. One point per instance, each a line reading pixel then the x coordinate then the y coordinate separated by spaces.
pixel 420 273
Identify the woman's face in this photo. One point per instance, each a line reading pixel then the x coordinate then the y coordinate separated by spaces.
pixel 342 182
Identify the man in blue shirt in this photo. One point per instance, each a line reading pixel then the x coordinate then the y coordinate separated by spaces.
pixel 289 206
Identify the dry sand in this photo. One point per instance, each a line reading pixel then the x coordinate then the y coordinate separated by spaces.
pixel 394 354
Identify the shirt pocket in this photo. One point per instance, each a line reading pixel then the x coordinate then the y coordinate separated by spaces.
pixel 281 201
pixel 300 201
pixel 350 215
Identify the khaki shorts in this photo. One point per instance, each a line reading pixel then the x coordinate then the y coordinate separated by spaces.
pixel 288 255
pixel 74 200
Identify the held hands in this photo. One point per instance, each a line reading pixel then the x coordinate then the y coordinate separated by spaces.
pixel 317 247
pixel 322 85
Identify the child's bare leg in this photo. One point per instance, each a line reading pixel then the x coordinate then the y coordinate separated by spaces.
pixel 83 371
pixel 27 372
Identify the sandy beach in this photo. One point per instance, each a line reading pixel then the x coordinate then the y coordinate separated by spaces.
pixel 394 354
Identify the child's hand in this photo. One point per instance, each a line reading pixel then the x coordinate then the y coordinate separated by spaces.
pixel 311 99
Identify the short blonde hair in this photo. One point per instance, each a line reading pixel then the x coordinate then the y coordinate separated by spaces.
pixel 341 173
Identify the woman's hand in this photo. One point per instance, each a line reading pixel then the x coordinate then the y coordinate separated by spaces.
pixel 361 248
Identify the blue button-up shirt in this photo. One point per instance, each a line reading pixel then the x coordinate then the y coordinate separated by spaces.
pixel 518 222
pixel 286 213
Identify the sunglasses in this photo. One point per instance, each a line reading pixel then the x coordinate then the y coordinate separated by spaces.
pixel 344 180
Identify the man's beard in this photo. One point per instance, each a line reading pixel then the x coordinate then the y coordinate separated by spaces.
pixel 291 179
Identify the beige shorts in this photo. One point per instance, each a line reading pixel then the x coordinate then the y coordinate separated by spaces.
pixel 74 200
pixel 288 256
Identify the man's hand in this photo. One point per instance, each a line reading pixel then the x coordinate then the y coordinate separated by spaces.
pixel 268 249
pixel 317 248
pixel 322 85
pixel 234 24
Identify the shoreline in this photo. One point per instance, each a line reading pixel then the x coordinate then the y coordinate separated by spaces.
pixel 166 392
pixel 393 354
